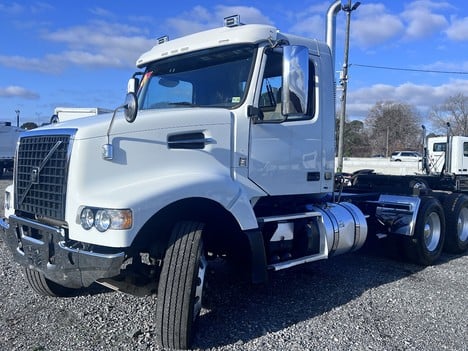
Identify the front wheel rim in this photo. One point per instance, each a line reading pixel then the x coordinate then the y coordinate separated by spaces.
pixel 197 306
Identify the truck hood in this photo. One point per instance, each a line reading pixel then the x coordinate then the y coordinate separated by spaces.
pixel 97 126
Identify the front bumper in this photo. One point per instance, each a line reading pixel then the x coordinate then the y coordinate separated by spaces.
pixel 44 248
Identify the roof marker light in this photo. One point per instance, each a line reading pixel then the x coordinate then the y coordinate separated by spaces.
pixel 163 39
pixel 232 21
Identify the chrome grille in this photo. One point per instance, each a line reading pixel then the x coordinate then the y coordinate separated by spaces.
pixel 41 175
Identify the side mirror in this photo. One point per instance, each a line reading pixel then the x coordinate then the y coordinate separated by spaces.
pixel 54 119
pixel 295 92
pixel 132 85
pixel 131 107
pixel 130 111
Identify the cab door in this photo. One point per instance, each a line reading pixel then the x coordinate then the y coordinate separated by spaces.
pixel 285 155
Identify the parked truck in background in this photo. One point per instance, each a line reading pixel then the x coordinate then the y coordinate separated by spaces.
pixel 62 114
pixel 225 149
pixel 452 159
pixel 8 137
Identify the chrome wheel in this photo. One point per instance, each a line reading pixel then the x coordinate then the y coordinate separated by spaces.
pixel 432 231
pixel 462 224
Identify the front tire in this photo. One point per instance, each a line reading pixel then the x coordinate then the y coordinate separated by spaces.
pixel 425 246
pixel 46 287
pixel 180 287
pixel 456 218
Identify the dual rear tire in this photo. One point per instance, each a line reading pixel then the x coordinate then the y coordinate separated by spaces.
pixel 456 214
pixel 427 242
pixel 439 227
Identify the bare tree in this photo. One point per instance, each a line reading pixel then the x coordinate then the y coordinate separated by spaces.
pixel 455 111
pixel 393 126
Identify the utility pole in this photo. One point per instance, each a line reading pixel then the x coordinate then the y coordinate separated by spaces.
pixel 344 83
pixel 17 117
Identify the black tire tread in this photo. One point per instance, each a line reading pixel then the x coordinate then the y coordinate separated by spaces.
pixel 414 246
pixel 175 292
pixel 45 287
pixel 452 206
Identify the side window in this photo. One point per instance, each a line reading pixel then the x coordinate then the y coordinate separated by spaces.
pixel 465 149
pixel 438 147
pixel 270 96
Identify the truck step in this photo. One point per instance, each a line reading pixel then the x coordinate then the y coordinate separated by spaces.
pixel 295 262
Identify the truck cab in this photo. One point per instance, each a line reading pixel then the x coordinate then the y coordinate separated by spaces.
pixel 227 132
pixel 224 149
pixel 452 159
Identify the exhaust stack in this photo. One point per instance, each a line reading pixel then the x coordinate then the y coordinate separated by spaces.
pixel 331 26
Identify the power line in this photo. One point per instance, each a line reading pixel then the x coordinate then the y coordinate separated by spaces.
pixel 410 69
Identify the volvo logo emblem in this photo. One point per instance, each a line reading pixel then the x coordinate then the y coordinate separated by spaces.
pixel 34 175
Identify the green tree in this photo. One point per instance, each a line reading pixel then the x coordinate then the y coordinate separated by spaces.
pixel 355 139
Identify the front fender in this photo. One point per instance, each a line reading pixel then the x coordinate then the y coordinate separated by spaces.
pixel 148 196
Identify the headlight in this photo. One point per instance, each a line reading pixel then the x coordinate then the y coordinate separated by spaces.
pixel 87 218
pixel 103 219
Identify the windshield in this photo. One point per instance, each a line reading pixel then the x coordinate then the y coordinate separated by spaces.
pixel 208 78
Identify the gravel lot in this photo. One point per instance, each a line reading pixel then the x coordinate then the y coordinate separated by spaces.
pixel 360 301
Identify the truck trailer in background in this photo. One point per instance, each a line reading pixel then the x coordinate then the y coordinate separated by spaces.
pixel 62 114
pixel 8 137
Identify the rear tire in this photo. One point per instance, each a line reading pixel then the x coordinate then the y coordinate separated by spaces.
pixel 456 219
pixel 425 246
pixel 180 287
pixel 46 287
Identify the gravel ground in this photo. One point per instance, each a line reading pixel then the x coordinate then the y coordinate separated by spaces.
pixel 359 301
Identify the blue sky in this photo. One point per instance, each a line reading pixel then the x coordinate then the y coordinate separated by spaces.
pixel 81 53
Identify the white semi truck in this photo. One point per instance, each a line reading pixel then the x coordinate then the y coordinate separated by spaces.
pixel 452 159
pixel 225 149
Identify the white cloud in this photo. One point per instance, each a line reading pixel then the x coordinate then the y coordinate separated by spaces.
pixel 445 66
pixel 47 64
pixel 421 22
pixel 11 9
pixel 99 44
pixel 102 43
pixel 247 14
pixel 312 26
pixel 99 11
pixel 200 18
pixel 16 91
pixel 372 25
pixel 310 22
pixel 458 29
pixel 16 9
pixel 423 97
